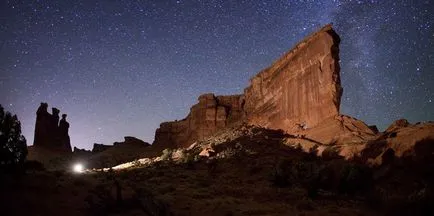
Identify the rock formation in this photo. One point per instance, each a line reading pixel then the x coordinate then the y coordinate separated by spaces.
pixel 63 135
pixel 49 132
pixel 100 147
pixel 81 153
pixel 296 92
pixel 301 88
pixel 211 114
pixel 130 149
pixel 129 140
pixel 401 138
pixel 396 125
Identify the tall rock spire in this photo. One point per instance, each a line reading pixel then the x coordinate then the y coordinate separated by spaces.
pixel 49 133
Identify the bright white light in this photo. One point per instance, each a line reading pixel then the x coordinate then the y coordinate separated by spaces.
pixel 78 168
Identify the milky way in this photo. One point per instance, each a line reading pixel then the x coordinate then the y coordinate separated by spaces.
pixel 120 68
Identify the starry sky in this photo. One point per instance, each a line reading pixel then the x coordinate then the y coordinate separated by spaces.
pixel 121 68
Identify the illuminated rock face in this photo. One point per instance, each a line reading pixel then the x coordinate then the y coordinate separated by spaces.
pixel 299 90
pixel 211 114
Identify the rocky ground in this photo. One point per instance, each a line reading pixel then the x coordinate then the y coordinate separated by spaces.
pixel 241 171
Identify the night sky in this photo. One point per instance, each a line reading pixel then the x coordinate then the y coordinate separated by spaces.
pixel 120 68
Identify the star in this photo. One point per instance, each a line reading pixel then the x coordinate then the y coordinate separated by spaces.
pixel 124 67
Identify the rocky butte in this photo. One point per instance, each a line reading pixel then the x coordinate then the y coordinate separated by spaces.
pixel 50 133
pixel 297 92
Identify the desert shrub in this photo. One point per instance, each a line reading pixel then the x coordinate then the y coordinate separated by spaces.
pixel 254 168
pixel 298 147
pixel 136 163
pixel 167 154
pixel 13 147
pixel 376 197
pixel 312 154
pixel 303 170
pixel 59 173
pixel 330 153
pixel 280 175
pixel 33 165
pixel 100 200
pixel 354 178
pixel 306 205
pixel 227 153
pixel 212 166
pixel 189 160
pixel 420 202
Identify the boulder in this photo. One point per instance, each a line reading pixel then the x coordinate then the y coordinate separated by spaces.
pixel 407 140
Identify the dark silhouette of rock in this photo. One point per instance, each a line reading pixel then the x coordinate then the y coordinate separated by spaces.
pixel 49 132
pixel 100 147
pixel 63 134
pixel 129 140
pixel 82 152
pixel 42 126
pixel 54 127
pixel 374 129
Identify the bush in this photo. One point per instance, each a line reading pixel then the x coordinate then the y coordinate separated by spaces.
pixel 167 154
pixel 355 178
pixel 280 176
pixel 13 147
pixel 136 163
pixel 189 160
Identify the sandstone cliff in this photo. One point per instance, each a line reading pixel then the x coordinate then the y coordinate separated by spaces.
pixel 301 88
pixel 296 92
pixel 211 114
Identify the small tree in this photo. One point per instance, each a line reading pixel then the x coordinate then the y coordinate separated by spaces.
pixel 13 147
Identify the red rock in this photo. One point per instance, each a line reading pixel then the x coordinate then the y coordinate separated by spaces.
pixel 340 130
pixel 396 125
pixel 404 142
pixel 299 90
pixel 302 87
pixel 205 118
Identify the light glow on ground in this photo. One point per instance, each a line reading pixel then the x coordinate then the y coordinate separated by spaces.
pixel 78 168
